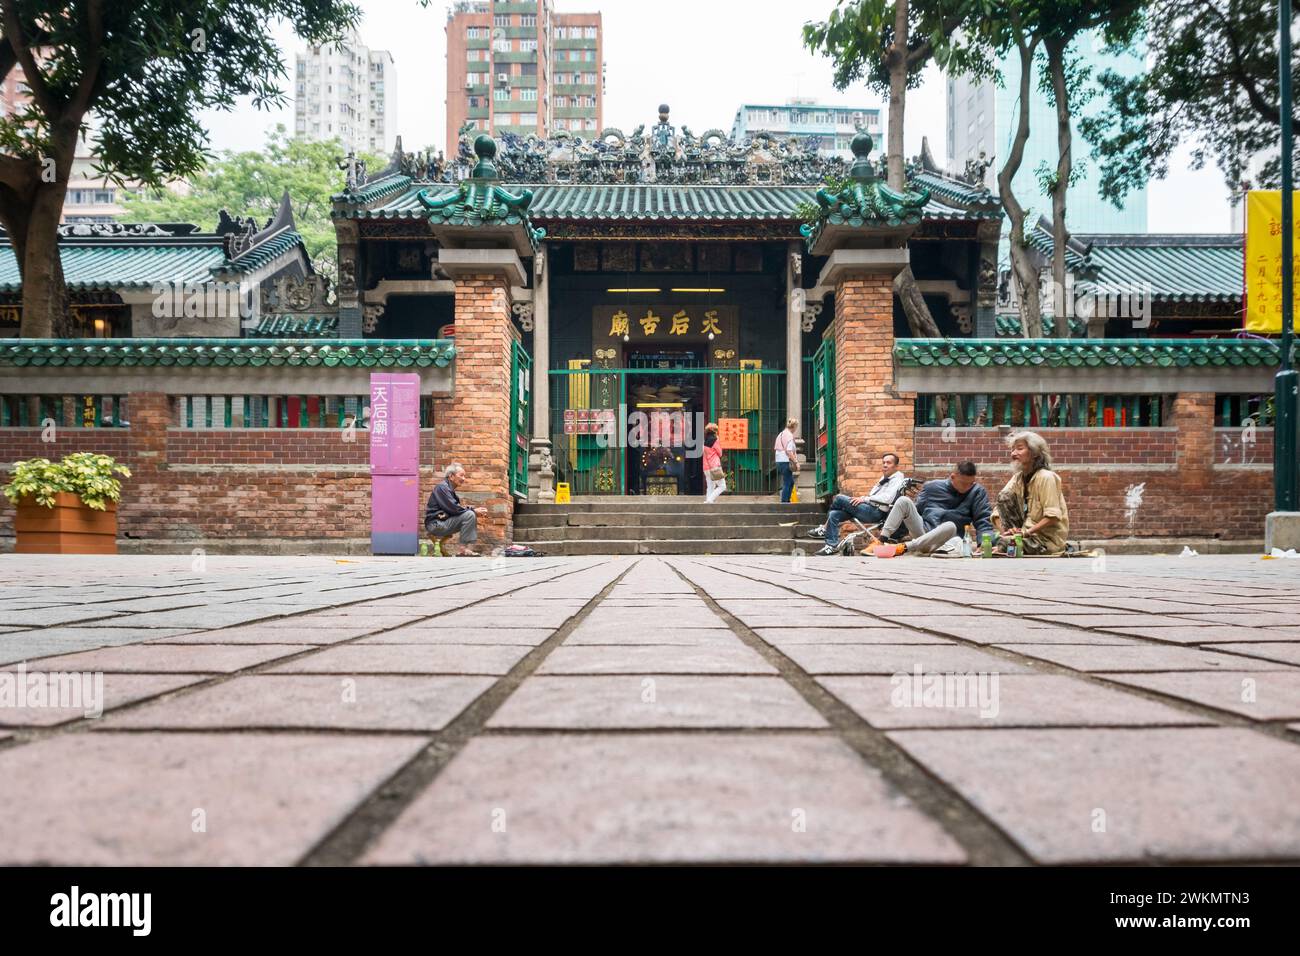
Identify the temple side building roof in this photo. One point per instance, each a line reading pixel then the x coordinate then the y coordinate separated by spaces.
pixel 1177 267
pixel 112 256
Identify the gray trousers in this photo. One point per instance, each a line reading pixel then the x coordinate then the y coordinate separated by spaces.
pixel 904 511
pixel 466 523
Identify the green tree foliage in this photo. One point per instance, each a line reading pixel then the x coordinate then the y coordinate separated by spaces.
pixel 251 183
pixel 1212 84
pixel 146 69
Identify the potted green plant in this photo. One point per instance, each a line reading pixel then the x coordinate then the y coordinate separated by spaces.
pixel 66 507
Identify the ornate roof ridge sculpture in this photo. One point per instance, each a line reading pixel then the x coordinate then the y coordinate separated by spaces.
pixel 865 202
pixel 661 155
pixel 480 200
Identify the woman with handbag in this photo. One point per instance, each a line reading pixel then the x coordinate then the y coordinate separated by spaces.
pixel 714 476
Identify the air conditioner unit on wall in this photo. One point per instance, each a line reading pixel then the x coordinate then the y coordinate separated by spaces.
pixel 503 79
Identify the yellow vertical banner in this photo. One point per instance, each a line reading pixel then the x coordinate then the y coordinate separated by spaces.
pixel 1264 261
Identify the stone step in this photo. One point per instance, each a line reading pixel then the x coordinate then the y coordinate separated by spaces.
pixel 671 505
pixel 675 532
pixel 720 521
pixel 670 546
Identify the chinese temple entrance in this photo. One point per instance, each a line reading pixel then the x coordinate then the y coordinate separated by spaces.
pixel 666 404
pixel 636 425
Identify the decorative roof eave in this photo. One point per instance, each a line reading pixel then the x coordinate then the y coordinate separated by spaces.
pixel 1086 353
pixel 865 210
pixel 348 203
pixel 236 353
pixel 481 209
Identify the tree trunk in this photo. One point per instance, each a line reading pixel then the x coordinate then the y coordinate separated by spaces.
pixel 919 320
pixel 45 313
pixel 1055 47
pixel 1023 273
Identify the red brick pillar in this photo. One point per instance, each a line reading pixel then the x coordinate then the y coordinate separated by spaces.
pixel 146 495
pixel 871 417
pixel 473 426
pixel 1194 419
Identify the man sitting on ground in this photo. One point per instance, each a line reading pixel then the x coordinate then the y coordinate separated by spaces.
pixel 942 511
pixel 1032 505
pixel 444 515
pixel 867 509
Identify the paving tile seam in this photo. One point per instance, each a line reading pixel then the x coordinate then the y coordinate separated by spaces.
pixel 31 734
pixel 371 817
pixel 1043 666
pixel 981 839
pixel 121 616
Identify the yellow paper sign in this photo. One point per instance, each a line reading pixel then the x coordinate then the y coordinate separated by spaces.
pixel 1264 261
pixel 562 493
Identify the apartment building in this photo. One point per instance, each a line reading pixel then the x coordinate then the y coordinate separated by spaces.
pixel 523 68
pixel 349 92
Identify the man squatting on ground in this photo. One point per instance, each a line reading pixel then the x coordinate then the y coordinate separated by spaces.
pixel 942 511
pixel 444 515
pixel 869 509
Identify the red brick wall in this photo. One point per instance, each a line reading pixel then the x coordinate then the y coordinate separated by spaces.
pixel 871 418
pixel 208 485
pixel 476 420
pixel 1179 489
pixel 1099 446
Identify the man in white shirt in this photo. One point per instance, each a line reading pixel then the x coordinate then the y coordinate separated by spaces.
pixel 869 509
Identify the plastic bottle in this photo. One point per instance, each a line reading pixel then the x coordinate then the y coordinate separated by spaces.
pixel 988 545
pixel 1020 545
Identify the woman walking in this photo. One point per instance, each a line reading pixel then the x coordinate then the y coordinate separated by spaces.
pixel 787 457
pixel 714 476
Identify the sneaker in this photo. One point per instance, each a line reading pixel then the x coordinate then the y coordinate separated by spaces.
pixel 818 532
pixel 827 550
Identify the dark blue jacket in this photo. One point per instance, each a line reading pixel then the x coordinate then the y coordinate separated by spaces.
pixel 939 502
pixel 443 501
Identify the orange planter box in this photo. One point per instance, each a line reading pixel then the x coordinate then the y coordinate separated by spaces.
pixel 68 528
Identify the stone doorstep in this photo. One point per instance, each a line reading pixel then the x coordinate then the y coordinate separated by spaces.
pixel 638 532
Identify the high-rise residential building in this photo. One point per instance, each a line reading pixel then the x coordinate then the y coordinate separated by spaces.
pixel 982 119
pixel 833 126
pixel 523 68
pixel 349 92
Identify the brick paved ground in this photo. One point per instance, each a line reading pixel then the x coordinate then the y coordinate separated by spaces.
pixel 375 711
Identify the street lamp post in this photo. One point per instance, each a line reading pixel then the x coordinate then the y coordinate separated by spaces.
pixel 1286 494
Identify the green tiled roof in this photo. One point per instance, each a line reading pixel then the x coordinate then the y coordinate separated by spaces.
pixel 216 353
pixel 264 252
pixel 1177 267
pixel 1010 325
pixel 564 202
pixel 297 326
pixel 957 193
pixel 1085 353
pixel 110 266
pixel 373 191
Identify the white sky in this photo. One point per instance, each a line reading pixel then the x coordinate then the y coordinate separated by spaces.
pixel 702 57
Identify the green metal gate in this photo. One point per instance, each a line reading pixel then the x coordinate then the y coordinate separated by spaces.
pixel 823 367
pixel 521 377
pixel 590 411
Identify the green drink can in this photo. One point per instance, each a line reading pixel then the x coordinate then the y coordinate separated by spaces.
pixel 987 545
pixel 1020 546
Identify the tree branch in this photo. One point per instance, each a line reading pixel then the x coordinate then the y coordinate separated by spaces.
pixel 18 42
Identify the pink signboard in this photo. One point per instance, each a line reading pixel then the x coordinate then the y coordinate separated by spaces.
pixel 394 426
pixel 394 423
